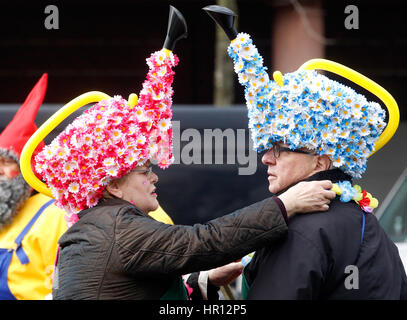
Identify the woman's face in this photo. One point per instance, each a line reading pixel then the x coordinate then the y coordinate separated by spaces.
pixel 138 188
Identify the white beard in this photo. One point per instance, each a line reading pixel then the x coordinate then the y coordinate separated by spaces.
pixel 13 194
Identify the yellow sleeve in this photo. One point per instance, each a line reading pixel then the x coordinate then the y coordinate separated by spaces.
pixel 160 215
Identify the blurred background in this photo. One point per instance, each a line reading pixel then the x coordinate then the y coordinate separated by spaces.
pixel 102 45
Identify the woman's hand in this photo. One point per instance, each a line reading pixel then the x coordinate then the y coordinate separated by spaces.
pixel 308 197
pixel 226 274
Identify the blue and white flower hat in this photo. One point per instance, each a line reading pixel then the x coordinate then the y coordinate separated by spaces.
pixel 305 109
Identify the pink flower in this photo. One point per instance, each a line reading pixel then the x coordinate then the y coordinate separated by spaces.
pixel 71 219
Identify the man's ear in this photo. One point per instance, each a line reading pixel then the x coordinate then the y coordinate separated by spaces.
pixel 322 163
pixel 114 189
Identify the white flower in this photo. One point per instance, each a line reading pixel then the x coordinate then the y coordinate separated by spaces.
pixel 315 86
pixel 158 96
pixel 90 155
pixel 255 83
pixel 141 139
pixel 330 151
pixel 242 38
pixel 112 171
pixel 172 58
pixel 70 166
pixel 326 135
pixel 73 187
pixel 374 119
pixel 132 129
pixel 343 133
pixel 140 114
pixel 264 79
pixel 55 193
pixel 356 113
pixel 121 151
pixel 243 78
pixel 337 161
pixel 108 162
pixel 145 91
pixel 152 150
pixel 130 158
pixel 73 209
pixel 162 71
pixel 104 181
pixel 54 145
pixel 74 141
pixel 365 130
pixel 116 120
pixel 40 167
pixel 345 113
pixel 333 138
pixel 251 70
pixel 162 105
pixel 348 93
pixel 116 134
pixel 160 57
pixel 239 66
pixel 348 101
pixel 251 103
pixel 247 52
pixel 164 124
pixel 82 121
pixel 48 152
pixel 328 111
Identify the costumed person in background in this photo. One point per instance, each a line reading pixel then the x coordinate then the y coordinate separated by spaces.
pixel 99 170
pixel 30 226
pixel 314 128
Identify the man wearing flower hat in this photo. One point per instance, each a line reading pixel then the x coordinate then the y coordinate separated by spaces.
pixel 30 226
pixel 313 128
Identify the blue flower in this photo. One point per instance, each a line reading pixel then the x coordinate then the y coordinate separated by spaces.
pixel 348 192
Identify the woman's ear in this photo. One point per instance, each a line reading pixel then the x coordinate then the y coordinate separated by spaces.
pixel 114 189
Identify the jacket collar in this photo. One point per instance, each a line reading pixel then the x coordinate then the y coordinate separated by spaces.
pixel 109 203
pixel 335 175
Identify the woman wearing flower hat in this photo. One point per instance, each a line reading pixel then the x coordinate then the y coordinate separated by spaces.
pixel 99 170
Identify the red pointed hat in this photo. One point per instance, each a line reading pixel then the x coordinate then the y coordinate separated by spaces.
pixel 22 127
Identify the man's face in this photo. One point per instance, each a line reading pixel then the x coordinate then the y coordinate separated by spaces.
pixel 8 168
pixel 288 168
pixel 13 190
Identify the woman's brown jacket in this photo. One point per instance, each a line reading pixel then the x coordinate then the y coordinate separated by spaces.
pixel 115 251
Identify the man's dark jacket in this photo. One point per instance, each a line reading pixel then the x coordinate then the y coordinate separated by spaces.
pixel 116 251
pixel 323 257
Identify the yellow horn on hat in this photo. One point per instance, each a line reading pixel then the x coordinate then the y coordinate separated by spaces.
pixel 278 78
pixel 370 85
pixel 45 129
pixel 133 100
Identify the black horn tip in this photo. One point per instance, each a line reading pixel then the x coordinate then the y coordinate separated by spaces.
pixel 224 17
pixel 177 28
pixel 219 10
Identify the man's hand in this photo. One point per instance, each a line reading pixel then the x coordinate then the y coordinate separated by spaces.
pixel 226 274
